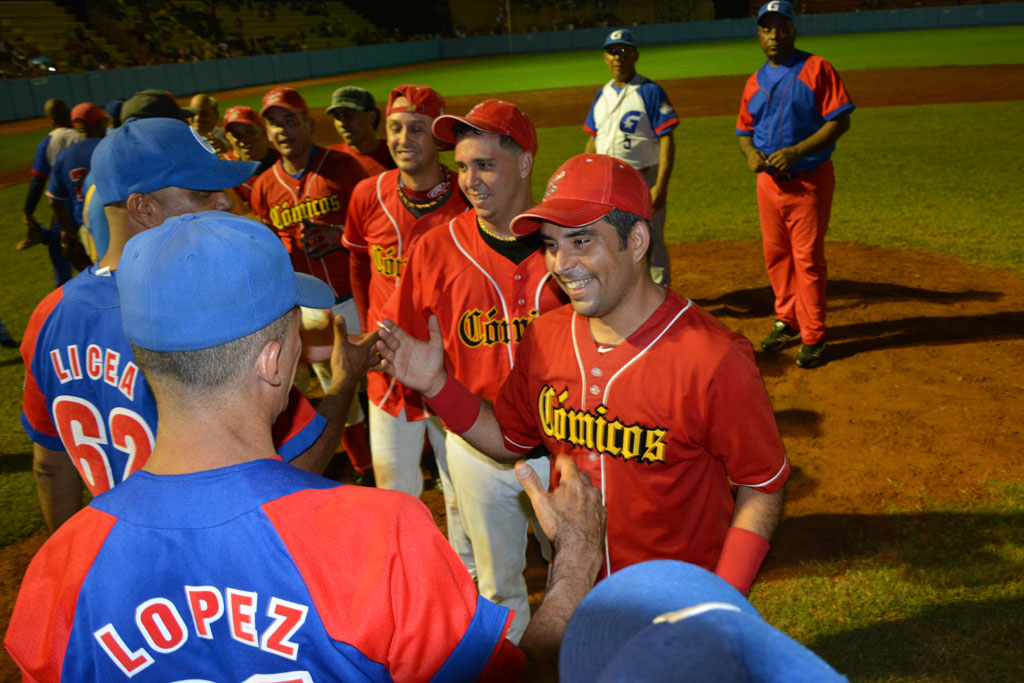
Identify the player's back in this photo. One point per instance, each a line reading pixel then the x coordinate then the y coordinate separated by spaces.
pixel 69 174
pixel 83 391
pixel 248 570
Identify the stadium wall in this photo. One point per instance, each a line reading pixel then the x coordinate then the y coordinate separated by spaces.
pixel 24 98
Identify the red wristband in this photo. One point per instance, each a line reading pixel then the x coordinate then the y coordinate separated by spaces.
pixel 742 554
pixel 456 405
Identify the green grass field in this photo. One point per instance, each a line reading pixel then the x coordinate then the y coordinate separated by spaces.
pixel 988 45
pixel 922 177
pixel 940 597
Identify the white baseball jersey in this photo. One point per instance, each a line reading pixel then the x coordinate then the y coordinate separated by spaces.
pixel 627 123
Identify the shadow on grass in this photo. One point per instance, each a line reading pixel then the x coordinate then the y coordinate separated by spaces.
pixel 939 549
pixel 16 360
pixel 758 302
pixel 15 462
pixel 969 641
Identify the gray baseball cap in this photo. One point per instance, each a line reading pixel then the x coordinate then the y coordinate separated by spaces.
pixel 351 97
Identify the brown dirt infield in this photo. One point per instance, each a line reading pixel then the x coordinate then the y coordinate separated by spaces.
pixel 920 399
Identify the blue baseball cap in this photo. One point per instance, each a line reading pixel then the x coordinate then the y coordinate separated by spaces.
pixel 712 643
pixel 145 155
pixel 650 607
pixel 205 279
pixel 620 37
pixel 113 109
pixel 776 7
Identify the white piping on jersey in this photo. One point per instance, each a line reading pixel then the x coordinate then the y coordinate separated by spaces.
pixel 607 550
pixel 398 234
pixel 579 364
pixel 497 289
pixel 604 401
pixel 608 387
pixel 536 296
pixel 518 445
pixel 583 406
pixel 302 183
pixel 391 385
pixel 380 200
pixel 785 460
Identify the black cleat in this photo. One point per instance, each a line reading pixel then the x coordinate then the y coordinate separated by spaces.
pixel 809 355
pixel 780 335
pixel 364 479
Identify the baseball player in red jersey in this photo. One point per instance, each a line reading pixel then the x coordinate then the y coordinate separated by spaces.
pixel 89 412
pixel 356 118
pixel 484 286
pixel 218 562
pixel 653 398
pixel 245 132
pixel 793 111
pixel 304 197
pixel 387 213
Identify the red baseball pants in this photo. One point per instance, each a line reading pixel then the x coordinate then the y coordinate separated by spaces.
pixel 794 219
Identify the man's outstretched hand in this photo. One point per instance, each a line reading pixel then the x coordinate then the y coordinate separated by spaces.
pixel 572 516
pixel 417 364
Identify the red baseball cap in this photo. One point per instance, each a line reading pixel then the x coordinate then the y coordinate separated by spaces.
pixel 583 190
pixel 422 100
pixel 87 113
pixel 242 114
pixel 492 116
pixel 289 98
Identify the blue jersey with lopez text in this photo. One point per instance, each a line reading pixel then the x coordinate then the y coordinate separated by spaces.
pixel 256 572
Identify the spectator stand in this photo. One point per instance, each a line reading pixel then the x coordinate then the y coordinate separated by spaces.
pixel 37 29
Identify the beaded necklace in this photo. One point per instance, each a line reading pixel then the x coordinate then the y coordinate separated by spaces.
pixel 436 195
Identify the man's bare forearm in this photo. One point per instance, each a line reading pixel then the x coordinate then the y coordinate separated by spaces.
pixel 666 158
pixel 334 407
pixel 573 517
pixel 349 363
pixel 58 486
pixel 542 641
pixel 485 435
pixel 756 511
pixel 60 212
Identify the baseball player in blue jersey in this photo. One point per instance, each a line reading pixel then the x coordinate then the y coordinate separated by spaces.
pixel 86 405
pixel 66 190
pixel 219 563
pixel 145 104
pixel 56 141
pixel 632 119
pixel 793 111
